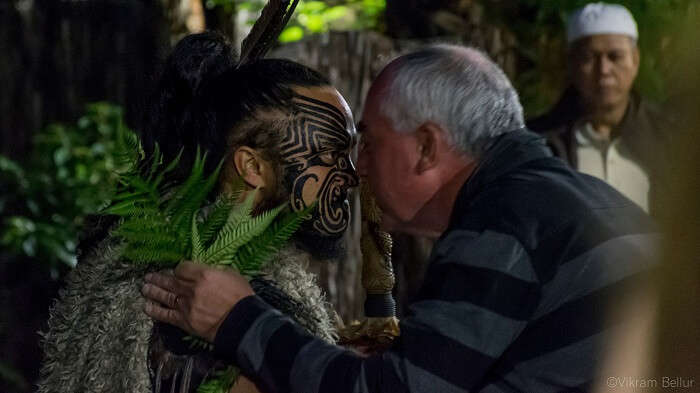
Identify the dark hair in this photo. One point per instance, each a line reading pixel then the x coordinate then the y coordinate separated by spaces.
pixel 203 95
pixel 169 120
pixel 236 105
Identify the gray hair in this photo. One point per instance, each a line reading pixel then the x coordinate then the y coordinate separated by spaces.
pixel 457 87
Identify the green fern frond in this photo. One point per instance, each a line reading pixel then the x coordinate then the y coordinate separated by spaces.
pixel 226 235
pixel 197 248
pixel 237 187
pixel 221 382
pixel 143 237
pixel 143 224
pixel 156 161
pixel 128 150
pixel 224 248
pixel 216 219
pixel 193 199
pixel 186 188
pixel 250 258
pixel 157 182
pixel 129 207
pixel 151 257
pixel 239 214
pixel 198 343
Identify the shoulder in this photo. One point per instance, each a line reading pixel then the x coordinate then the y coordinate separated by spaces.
pixel 535 196
pixel 544 206
pixel 557 119
pixel 656 116
pixel 488 249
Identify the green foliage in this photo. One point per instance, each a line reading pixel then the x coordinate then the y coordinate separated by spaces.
pixel 71 172
pixel 227 5
pixel 164 225
pixel 312 17
pixel 198 343
pixel 269 241
pixel 222 381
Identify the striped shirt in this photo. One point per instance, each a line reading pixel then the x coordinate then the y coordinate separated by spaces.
pixel 513 301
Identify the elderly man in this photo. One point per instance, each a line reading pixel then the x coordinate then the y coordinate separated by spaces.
pixel 529 251
pixel 601 126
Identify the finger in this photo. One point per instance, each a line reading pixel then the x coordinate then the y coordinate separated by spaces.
pixel 163 314
pixel 159 295
pixel 188 270
pixel 164 281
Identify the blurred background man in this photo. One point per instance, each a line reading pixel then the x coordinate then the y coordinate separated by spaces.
pixel 601 126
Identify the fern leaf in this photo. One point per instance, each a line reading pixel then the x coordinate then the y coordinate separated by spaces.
pixel 128 207
pixel 140 212
pixel 222 381
pixel 144 224
pixel 191 182
pixel 127 150
pixel 250 258
pixel 197 249
pixel 198 343
pixel 154 241
pixel 216 219
pixel 156 161
pixel 237 187
pixel 223 250
pixel 227 235
pixel 239 214
pixel 193 199
pixel 156 183
pixel 149 256
pixel 145 237
pixel 127 195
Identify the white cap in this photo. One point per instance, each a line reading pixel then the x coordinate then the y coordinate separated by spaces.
pixel 600 18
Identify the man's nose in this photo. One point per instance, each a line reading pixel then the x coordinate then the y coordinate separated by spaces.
pixel 604 65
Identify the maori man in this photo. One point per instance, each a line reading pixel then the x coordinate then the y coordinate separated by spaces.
pixel 284 131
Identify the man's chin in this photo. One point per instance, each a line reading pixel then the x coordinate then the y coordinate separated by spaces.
pixel 320 246
pixel 609 98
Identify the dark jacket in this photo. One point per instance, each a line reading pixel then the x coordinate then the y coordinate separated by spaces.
pixel 513 301
pixel 645 132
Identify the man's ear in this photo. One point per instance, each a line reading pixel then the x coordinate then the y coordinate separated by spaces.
pixel 429 136
pixel 253 168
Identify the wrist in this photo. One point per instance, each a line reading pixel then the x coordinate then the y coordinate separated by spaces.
pixel 236 324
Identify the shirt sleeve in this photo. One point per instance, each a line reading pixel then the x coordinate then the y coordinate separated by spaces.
pixel 479 292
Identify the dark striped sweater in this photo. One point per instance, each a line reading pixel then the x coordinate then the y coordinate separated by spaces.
pixel 514 299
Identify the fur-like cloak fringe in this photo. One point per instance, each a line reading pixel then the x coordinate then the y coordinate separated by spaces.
pixel 98 336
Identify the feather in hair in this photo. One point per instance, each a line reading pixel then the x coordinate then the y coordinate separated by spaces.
pixel 266 29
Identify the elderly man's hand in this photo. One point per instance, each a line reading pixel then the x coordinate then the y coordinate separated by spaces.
pixel 196 298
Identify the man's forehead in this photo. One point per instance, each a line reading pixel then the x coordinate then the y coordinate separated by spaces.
pixel 604 42
pixel 325 97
